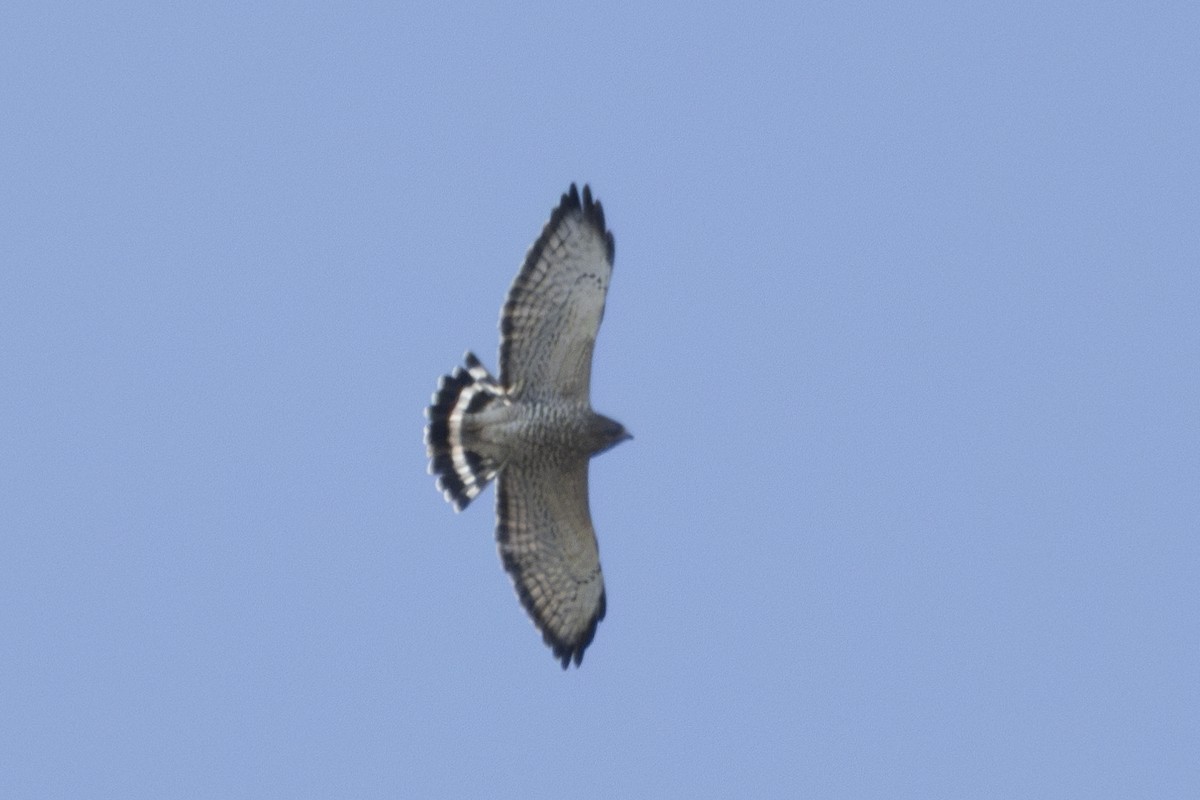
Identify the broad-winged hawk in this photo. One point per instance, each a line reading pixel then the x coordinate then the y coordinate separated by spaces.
pixel 534 430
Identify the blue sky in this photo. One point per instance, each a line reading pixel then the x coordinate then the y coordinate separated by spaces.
pixel 904 320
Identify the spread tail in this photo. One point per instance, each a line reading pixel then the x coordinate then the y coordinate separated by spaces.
pixel 461 472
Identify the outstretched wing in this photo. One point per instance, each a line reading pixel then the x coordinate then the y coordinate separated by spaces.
pixel 549 322
pixel 548 546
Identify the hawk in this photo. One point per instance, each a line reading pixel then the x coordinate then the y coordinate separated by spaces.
pixel 534 430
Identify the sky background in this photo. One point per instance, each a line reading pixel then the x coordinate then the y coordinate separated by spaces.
pixel 904 319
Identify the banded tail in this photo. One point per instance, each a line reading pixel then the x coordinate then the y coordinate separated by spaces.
pixel 461 473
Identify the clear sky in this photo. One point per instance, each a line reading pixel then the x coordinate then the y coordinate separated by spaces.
pixel 904 320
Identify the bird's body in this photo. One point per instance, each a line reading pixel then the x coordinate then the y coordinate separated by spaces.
pixel 534 430
pixel 512 432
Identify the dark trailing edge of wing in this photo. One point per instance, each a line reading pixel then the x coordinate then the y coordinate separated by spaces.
pixel 565 651
pixel 593 212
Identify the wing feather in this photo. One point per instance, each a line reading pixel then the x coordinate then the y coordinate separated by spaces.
pixel 548 545
pixel 550 319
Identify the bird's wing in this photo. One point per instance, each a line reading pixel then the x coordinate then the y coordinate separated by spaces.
pixel 549 322
pixel 548 546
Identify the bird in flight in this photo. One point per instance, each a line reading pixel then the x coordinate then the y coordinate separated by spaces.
pixel 534 430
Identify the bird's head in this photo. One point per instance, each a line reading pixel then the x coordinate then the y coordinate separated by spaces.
pixel 608 433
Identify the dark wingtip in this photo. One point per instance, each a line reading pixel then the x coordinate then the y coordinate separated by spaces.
pixel 593 212
pixel 566 653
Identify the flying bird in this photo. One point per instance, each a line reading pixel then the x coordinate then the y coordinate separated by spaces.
pixel 534 430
